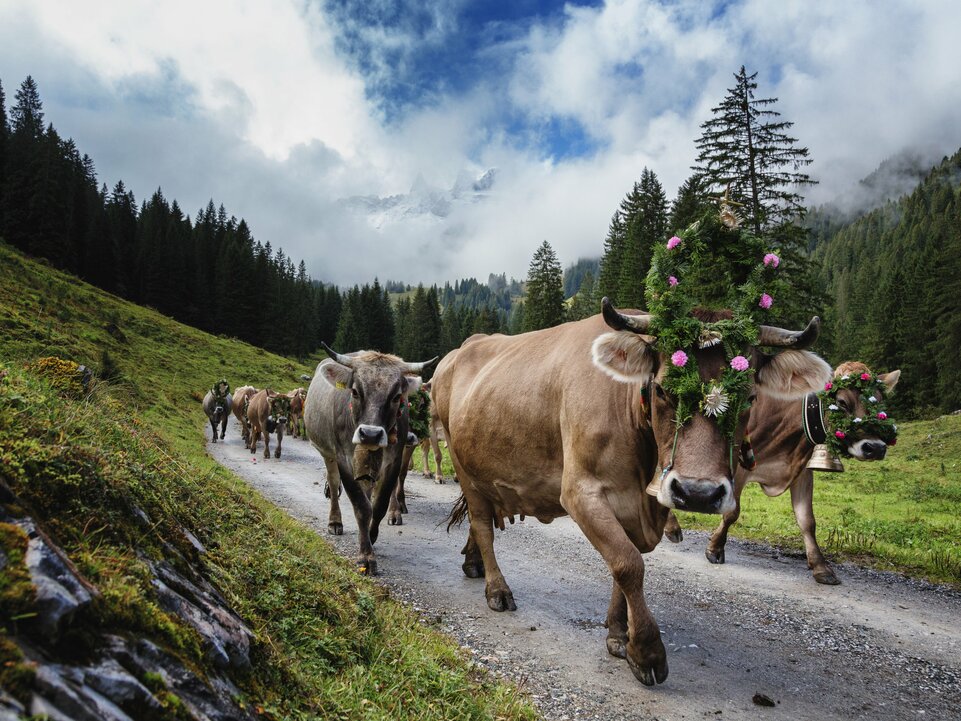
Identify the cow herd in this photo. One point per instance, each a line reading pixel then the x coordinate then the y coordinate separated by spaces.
pixel 571 420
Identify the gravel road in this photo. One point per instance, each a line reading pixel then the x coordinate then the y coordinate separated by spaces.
pixel 879 646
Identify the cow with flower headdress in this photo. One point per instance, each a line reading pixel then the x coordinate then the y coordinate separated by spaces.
pixel 217 406
pixel 617 418
pixel 847 418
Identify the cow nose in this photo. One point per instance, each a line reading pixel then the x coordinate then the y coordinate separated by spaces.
pixel 698 495
pixel 874 450
pixel 370 436
pixel 411 439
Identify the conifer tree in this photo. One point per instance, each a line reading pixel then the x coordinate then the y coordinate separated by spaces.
pixel 545 290
pixel 689 205
pixel 584 304
pixel 644 215
pixel 609 276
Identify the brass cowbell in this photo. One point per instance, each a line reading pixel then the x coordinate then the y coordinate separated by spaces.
pixel 822 460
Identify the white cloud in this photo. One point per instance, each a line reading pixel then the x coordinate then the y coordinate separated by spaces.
pixel 253 104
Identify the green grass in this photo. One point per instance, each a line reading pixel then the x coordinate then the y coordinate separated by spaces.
pixel 330 644
pixel 902 513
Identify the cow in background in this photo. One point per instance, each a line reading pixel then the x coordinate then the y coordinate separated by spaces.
pixel 217 405
pixel 241 398
pixel 354 416
pixel 782 453
pixel 427 427
pixel 267 412
pixel 297 398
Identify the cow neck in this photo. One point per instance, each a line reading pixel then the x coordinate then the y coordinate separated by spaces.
pixel 812 418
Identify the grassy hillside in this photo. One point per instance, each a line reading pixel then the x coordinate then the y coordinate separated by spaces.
pixel 329 644
pixel 902 513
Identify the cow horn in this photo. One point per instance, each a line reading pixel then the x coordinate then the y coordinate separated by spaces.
pixel 418 368
pixel 621 321
pixel 342 359
pixel 794 339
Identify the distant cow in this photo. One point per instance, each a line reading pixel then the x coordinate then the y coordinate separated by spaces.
pixel 574 420
pixel 297 398
pixel 782 452
pixel 241 399
pixel 427 427
pixel 267 412
pixel 217 405
pixel 354 415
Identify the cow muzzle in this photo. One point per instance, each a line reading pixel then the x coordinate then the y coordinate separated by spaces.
pixel 868 450
pixel 370 436
pixel 700 495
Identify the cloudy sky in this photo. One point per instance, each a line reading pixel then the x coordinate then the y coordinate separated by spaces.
pixel 283 110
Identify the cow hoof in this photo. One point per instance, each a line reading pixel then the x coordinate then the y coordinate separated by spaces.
pixel 367 568
pixel 277 454
pixel 214 439
pixel 395 519
pixel 827 578
pixel 714 557
pixel 335 529
pixel 428 474
pixel 439 481
pixel 501 600
pixel 617 647
pixel 674 536
pixel 473 570
pixel 651 668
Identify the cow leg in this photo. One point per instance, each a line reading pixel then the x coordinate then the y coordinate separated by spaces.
pixel 672 529
pixel 438 458
pixel 398 504
pixel 266 444
pixel 366 562
pixel 715 547
pixel 335 523
pixel 473 561
pixel 617 637
pixel 423 448
pixel 802 496
pixel 223 427
pixel 280 440
pixel 254 437
pixel 592 512
pixel 213 426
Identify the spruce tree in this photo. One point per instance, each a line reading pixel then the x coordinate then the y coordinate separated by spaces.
pixel 584 304
pixel 609 276
pixel 689 205
pixel 745 146
pixel 644 215
pixel 545 290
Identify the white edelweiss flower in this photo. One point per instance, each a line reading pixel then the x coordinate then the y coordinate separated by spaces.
pixel 715 401
pixel 873 399
pixel 832 407
pixel 857 420
pixel 845 377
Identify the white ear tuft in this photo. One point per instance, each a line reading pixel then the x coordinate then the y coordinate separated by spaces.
pixel 624 356
pixel 793 374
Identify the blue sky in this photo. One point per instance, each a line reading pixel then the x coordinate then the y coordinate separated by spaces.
pixel 284 110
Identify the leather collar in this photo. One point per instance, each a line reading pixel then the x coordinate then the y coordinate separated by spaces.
pixel 812 418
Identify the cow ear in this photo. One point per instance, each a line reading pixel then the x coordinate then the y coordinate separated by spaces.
pixel 413 384
pixel 626 357
pixel 337 375
pixel 890 380
pixel 791 374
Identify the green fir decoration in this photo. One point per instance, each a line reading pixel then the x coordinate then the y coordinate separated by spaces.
pixel 844 429
pixel 419 408
pixel 712 265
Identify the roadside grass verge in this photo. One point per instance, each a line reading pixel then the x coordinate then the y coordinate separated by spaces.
pixel 900 514
pixel 330 644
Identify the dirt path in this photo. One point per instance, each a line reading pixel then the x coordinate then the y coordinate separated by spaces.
pixel 876 647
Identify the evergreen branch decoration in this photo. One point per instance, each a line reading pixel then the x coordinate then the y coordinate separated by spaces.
pixel 712 265
pixel 845 430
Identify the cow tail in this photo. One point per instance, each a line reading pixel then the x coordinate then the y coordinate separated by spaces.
pixel 458 513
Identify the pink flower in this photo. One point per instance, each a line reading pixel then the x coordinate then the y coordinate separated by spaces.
pixel 672 281
pixel 679 358
pixel 865 376
pixel 766 301
pixel 839 434
pixel 673 243
pixel 882 415
pixel 828 386
pixel 771 259
pixel 893 442
pixel 739 363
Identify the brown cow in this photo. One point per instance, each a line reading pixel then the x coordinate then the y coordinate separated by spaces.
pixel 267 413
pixel 297 398
pixel 241 398
pixel 537 427
pixel 782 452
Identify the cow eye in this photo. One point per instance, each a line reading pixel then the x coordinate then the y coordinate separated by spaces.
pixel 843 404
pixel 354 393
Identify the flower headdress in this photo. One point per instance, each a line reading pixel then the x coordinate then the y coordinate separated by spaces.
pixel 843 429
pixel 711 253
